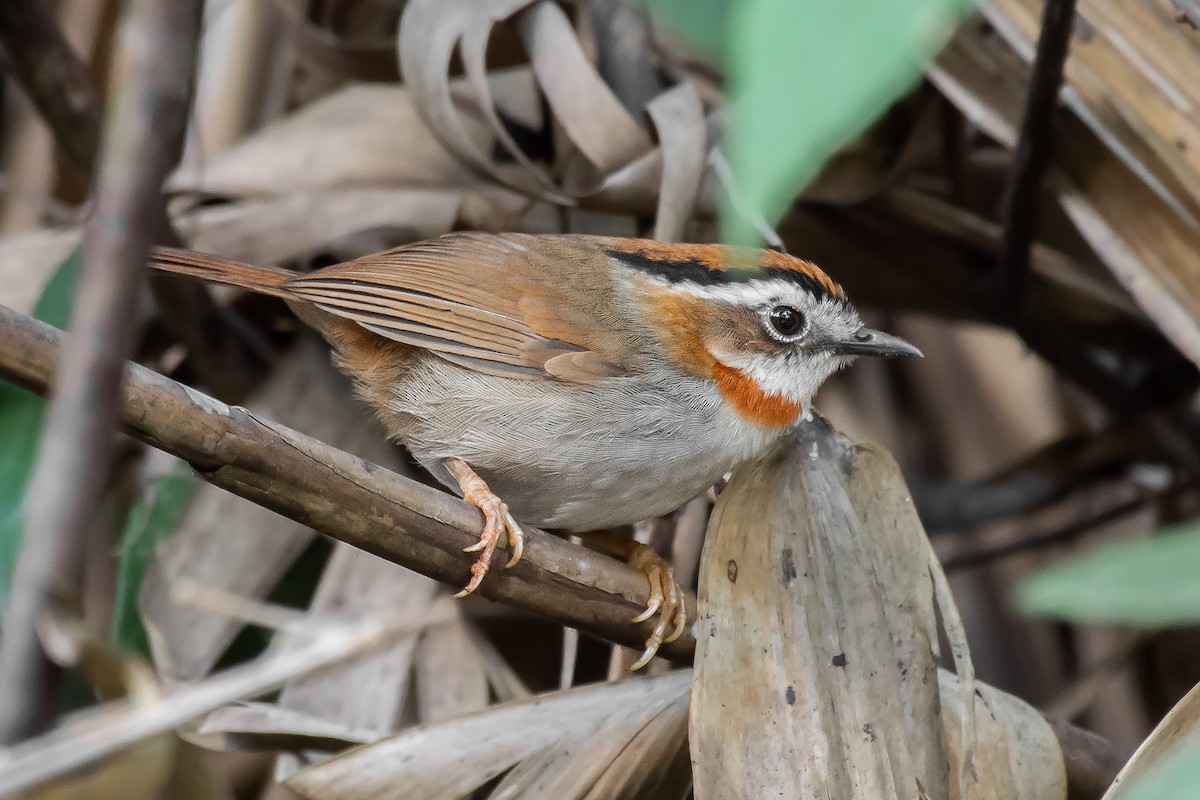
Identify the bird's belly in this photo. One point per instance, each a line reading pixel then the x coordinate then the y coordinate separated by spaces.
pixel 604 494
pixel 576 457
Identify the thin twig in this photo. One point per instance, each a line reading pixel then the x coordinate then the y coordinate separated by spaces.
pixel 54 77
pixel 352 500
pixel 1032 156
pixel 143 139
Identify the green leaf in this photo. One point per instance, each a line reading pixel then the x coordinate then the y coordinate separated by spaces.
pixel 1175 778
pixel 1151 582
pixel 21 415
pixel 155 516
pixel 809 75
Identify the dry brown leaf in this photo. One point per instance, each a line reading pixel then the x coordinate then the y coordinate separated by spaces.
pixel 263 230
pixel 655 765
pixel 617 170
pixel 591 115
pixel 815 652
pixel 97 734
pixel 451 679
pixel 368 694
pixel 1151 250
pixel 1134 78
pixel 572 766
pixel 816 662
pixel 428 762
pixel 294 224
pixel 1018 756
pixel 266 726
pixel 365 135
pixel 430 31
pixel 679 119
pixel 242 79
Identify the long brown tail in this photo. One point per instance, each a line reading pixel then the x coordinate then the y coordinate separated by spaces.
pixel 214 269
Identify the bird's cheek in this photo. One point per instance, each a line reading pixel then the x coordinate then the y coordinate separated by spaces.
pixel 728 355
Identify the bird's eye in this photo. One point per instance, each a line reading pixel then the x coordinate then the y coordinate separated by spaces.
pixel 786 323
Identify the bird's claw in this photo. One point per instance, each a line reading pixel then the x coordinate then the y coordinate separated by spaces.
pixel 666 600
pixel 496 521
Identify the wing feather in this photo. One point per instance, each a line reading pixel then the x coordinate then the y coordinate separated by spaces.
pixel 531 307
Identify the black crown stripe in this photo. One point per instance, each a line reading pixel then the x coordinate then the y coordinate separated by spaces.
pixel 694 271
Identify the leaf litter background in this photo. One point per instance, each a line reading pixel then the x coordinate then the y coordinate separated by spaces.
pixel 1023 437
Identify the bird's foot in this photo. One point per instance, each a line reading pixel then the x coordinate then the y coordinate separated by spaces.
pixel 666 600
pixel 497 522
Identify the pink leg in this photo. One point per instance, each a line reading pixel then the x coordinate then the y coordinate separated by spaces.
pixel 497 521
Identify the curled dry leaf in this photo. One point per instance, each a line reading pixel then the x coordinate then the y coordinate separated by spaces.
pixel 429 762
pixel 679 119
pixel 816 647
pixel 592 116
pixel 619 168
pixel 1021 759
pixel 430 31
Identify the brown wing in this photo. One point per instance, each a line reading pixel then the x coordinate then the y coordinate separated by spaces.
pixel 506 304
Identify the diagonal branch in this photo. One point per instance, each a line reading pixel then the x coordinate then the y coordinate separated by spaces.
pixel 352 500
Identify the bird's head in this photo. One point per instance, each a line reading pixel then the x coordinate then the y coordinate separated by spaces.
pixel 767 327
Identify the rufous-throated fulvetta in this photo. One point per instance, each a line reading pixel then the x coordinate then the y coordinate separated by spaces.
pixel 574 382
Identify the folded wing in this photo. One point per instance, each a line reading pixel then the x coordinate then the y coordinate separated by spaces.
pixel 503 304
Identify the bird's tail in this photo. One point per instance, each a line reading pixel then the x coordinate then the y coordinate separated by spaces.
pixel 214 269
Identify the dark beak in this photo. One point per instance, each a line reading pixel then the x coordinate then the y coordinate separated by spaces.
pixel 868 342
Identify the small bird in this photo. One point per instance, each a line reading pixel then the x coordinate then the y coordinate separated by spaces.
pixel 574 382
